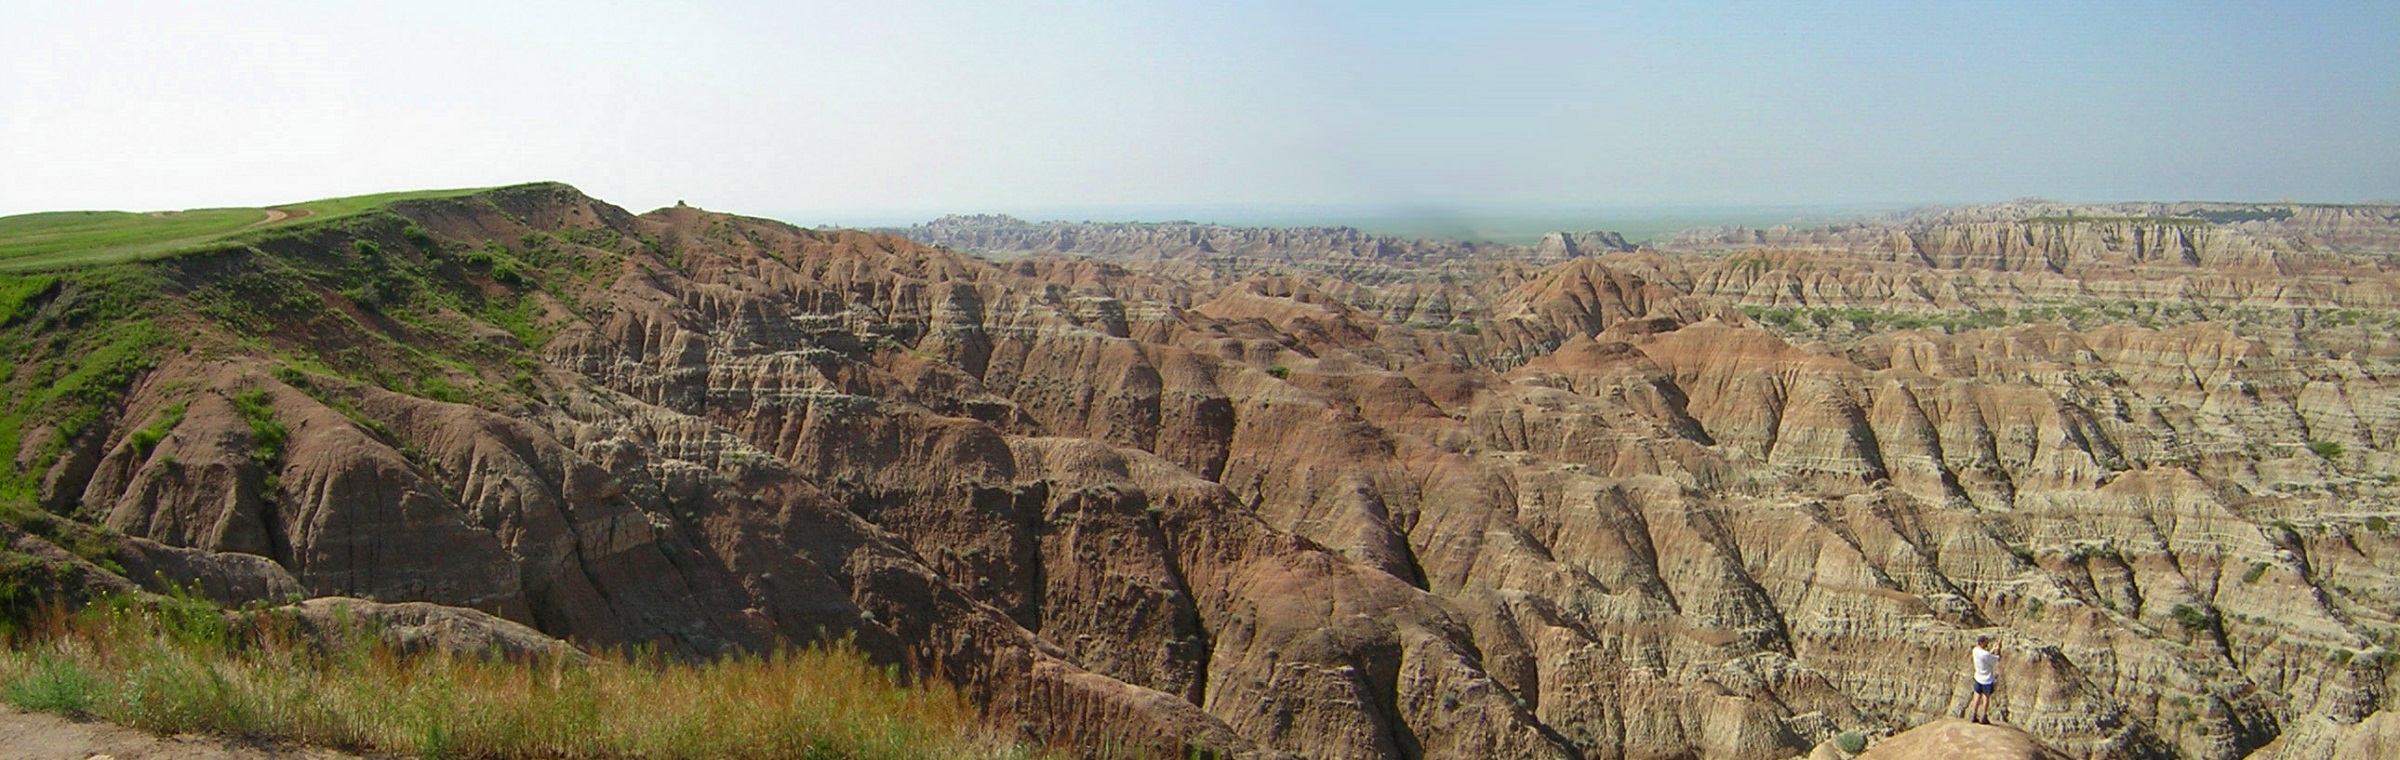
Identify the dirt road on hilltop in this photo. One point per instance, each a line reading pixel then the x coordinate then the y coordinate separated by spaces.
pixel 277 214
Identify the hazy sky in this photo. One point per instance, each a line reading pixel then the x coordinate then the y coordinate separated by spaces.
pixel 805 110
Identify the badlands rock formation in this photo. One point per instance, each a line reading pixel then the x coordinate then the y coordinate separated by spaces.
pixel 1290 246
pixel 1723 500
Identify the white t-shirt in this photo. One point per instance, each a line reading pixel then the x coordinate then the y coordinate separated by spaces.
pixel 1986 661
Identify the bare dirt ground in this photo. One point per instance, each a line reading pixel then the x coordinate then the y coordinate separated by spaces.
pixel 41 736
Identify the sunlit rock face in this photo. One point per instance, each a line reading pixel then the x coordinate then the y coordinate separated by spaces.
pixel 1726 498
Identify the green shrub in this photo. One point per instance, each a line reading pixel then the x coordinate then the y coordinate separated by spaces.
pixel 2326 450
pixel 54 684
pixel 1850 742
pixel 2257 570
pixel 439 389
pixel 2193 619
pixel 267 434
pixel 148 437
pixel 1280 372
pixel 2289 533
pixel 2379 524
pixel 292 376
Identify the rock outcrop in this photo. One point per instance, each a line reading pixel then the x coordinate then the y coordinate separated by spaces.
pixel 1960 740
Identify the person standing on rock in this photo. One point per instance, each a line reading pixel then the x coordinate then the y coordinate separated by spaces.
pixel 1987 673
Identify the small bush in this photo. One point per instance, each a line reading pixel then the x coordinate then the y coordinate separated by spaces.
pixel 55 684
pixel 2326 450
pixel 147 438
pixel 1850 742
pixel 2257 570
pixel 440 389
pixel 292 376
pixel 267 434
pixel 2193 619
pixel 2287 531
pixel 1280 372
pixel 2379 524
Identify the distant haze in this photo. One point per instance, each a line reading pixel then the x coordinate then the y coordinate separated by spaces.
pixel 879 112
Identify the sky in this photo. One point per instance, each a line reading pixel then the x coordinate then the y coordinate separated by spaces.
pixel 899 108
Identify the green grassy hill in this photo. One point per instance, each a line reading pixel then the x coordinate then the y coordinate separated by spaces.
pixel 70 239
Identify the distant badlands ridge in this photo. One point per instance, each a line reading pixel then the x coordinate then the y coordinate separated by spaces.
pixel 1000 233
pixel 1310 492
pixel 2354 226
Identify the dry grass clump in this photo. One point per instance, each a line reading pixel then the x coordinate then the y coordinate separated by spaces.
pixel 181 668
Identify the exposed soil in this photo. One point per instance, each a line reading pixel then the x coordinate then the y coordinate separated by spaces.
pixel 41 736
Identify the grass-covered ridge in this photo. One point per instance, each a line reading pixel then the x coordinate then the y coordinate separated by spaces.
pixel 80 236
pixel 69 239
pixel 181 667
pixel 317 291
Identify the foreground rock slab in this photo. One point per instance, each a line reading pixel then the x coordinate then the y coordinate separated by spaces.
pixel 1960 740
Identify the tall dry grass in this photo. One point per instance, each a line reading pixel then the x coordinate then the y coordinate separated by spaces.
pixel 182 668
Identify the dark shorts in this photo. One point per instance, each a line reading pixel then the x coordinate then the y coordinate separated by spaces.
pixel 1983 688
